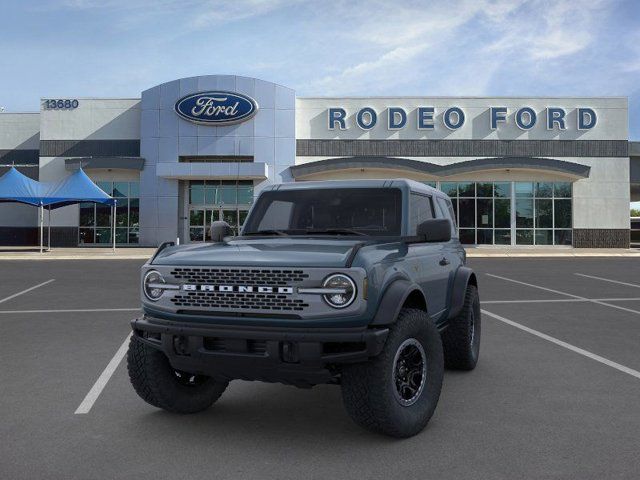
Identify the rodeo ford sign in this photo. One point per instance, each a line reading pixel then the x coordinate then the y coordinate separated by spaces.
pixel 453 118
pixel 216 108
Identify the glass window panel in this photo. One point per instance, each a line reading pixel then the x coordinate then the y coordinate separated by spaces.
pixel 196 234
pixel 134 235
pixel 196 217
pixel 524 189
pixel 485 236
pixel 134 189
pixel 122 213
pixel 231 217
pixel 544 215
pixel 563 237
pixel 242 217
pixel 103 215
pixel 87 215
pixel 134 212
pixel 86 236
pixel 103 235
pixel 467 236
pixel 196 194
pixel 562 213
pixel 485 213
pixel 502 189
pixel 211 216
pixel 467 189
pixel 503 237
pixel 106 187
pixel 229 196
pixel 484 189
pixel 562 190
pixel 467 213
pixel 430 184
pixel 503 213
pixel 524 237
pixel 544 237
pixel 245 195
pixel 544 189
pixel 450 188
pixel 524 212
pixel 211 195
pixel 121 189
pixel 122 235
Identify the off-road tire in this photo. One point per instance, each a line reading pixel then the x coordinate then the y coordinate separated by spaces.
pixel 368 388
pixel 461 339
pixel 155 381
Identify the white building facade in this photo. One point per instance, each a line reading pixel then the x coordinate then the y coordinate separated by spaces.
pixel 521 171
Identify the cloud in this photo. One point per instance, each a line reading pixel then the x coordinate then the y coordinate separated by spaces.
pixel 543 30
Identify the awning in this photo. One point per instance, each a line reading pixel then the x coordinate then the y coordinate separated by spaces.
pixel 576 170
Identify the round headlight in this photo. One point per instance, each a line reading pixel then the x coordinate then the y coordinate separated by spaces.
pixel 152 285
pixel 343 290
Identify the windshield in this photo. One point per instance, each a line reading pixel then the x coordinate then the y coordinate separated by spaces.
pixel 341 211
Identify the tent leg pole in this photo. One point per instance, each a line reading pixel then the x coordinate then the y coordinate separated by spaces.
pixel 113 212
pixel 49 233
pixel 41 227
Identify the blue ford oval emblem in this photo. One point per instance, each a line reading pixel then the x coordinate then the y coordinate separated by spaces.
pixel 216 107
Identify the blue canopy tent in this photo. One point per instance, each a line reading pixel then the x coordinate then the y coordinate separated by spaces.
pixel 17 187
pixel 77 188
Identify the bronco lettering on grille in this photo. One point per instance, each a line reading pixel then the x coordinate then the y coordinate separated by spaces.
pixel 237 289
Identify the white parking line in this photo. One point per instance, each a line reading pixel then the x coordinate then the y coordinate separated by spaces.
pixel 608 280
pixel 103 379
pixel 26 291
pixel 568 346
pixel 598 302
pixel 76 310
pixel 558 300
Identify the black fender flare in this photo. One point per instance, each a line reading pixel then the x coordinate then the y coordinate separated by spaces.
pixel 392 301
pixel 462 278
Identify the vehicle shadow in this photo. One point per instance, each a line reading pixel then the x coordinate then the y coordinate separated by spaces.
pixel 263 412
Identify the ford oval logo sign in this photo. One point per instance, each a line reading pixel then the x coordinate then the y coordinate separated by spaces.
pixel 216 107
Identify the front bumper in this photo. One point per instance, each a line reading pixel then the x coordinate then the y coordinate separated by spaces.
pixel 299 356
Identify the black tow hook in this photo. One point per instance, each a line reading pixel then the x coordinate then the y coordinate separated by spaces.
pixel 181 345
pixel 289 352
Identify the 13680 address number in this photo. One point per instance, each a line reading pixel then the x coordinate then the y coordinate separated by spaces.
pixel 61 104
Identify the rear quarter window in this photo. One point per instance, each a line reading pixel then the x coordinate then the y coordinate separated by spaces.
pixel 446 208
pixel 420 209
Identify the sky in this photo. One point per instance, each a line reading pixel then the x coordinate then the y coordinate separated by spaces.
pixel 118 48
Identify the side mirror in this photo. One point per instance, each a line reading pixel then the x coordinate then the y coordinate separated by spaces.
pixel 435 230
pixel 219 230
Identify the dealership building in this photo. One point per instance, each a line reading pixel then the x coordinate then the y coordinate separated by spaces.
pixel 520 170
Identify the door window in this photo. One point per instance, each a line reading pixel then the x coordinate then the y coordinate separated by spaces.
pixel 420 210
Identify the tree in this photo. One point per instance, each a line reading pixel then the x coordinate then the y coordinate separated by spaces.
pixel 635 212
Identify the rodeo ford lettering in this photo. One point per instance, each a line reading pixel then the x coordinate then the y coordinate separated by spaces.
pixel 362 284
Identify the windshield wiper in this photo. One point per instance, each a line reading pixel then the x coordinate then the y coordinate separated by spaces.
pixel 269 232
pixel 336 231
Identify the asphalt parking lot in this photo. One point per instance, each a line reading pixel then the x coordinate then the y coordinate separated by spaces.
pixel 555 395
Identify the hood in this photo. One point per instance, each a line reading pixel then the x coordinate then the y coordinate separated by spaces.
pixel 285 252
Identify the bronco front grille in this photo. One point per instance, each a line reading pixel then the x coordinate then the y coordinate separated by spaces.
pixel 238 301
pixel 239 276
